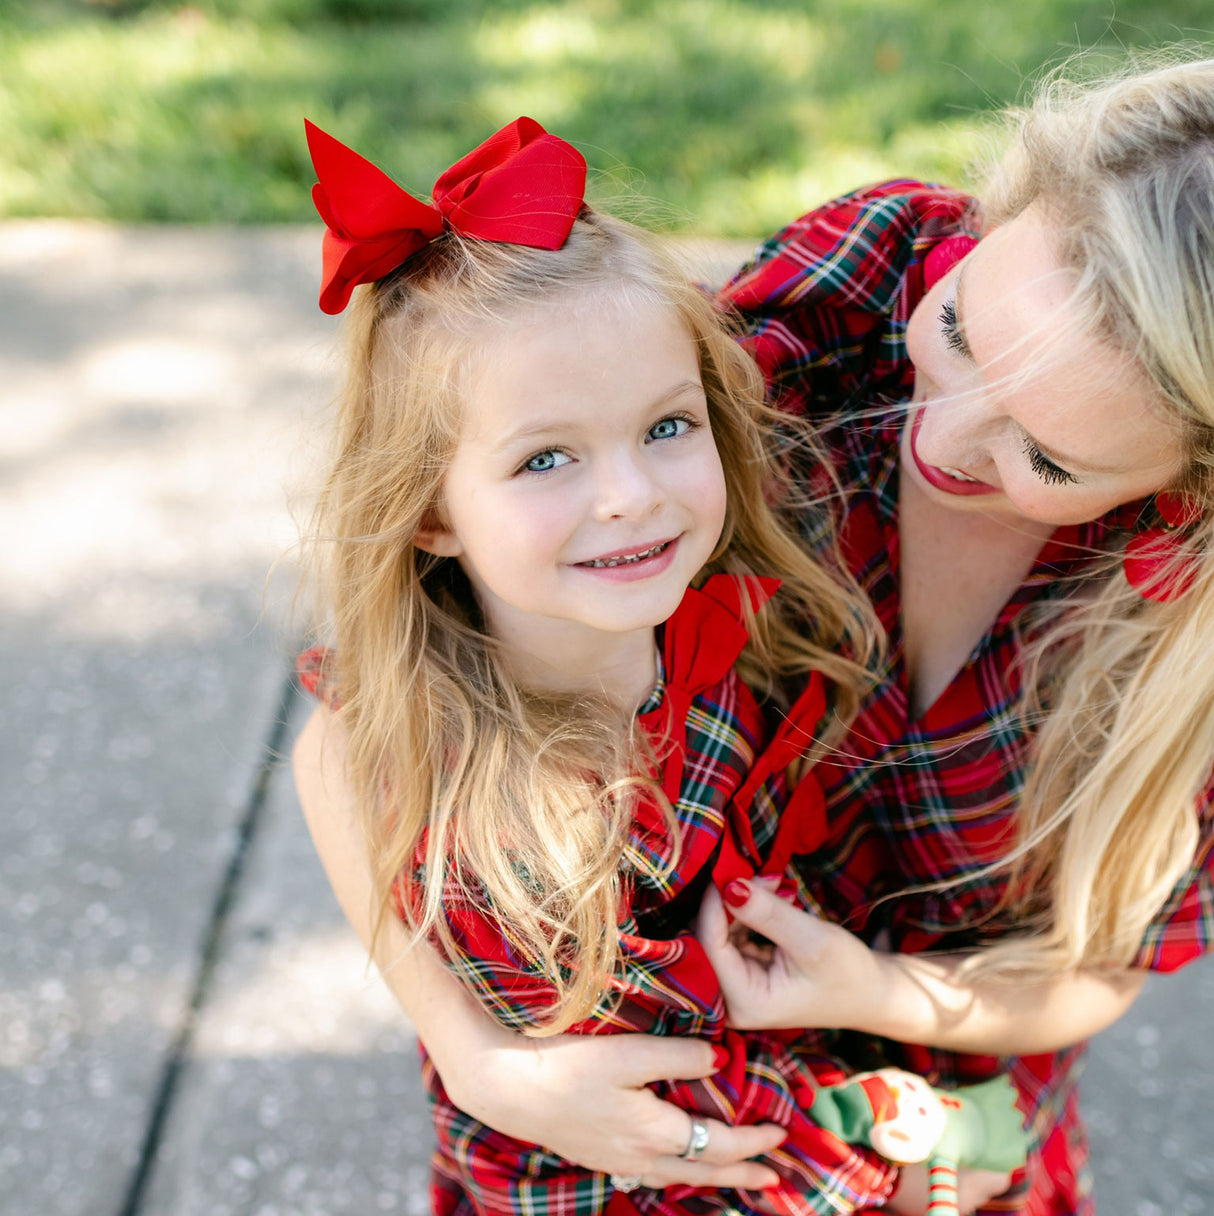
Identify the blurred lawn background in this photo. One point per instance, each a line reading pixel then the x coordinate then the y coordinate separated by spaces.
pixel 733 115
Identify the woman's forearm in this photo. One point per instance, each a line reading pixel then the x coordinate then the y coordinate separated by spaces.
pixel 817 974
pixel 928 1000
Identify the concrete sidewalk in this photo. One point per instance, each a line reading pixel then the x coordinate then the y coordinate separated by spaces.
pixel 186 1025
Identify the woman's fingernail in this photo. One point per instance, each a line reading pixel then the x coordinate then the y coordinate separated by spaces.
pixel 736 893
pixel 720 1057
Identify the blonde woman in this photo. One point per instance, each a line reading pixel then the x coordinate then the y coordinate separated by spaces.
pixel 1018 395
pixel 1029 788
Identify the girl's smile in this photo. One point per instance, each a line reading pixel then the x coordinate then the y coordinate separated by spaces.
pixel 633 564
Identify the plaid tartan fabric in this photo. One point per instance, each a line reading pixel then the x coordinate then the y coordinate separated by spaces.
pixel 825 305
pixel 708 728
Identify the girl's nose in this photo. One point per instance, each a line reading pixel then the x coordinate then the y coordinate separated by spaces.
pixel 627 489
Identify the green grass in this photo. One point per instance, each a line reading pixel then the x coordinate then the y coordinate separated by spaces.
pixel 731 114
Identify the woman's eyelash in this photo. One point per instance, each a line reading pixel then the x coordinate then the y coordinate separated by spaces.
pixel 1044 467
pixel 954 339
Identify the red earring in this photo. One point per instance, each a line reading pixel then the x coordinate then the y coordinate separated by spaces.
pixel 1155 563
pixel 943 257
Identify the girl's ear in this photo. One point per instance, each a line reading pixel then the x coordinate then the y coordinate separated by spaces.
pixel 436 536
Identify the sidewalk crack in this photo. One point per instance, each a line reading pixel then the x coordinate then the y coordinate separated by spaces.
pixel 178 1054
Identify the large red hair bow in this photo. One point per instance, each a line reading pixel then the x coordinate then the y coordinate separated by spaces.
pixel 522 186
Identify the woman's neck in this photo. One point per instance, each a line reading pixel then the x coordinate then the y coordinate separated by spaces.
pixel 957 570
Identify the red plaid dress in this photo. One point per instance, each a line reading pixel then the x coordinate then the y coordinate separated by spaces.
pixel 826 304
pixel 735 818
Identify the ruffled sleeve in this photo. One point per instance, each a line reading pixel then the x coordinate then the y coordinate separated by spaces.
pixel 826 300
pixel 1184 928
pixel 314 670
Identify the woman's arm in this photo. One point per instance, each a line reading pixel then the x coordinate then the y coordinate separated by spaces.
pixel 585 1098
pixel 818 974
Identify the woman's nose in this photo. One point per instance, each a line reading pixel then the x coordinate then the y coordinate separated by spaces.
pixel 955 430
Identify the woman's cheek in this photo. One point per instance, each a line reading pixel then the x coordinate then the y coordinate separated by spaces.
pixel 918 345
pixel 1055 505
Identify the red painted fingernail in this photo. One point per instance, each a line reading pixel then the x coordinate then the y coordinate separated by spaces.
pixel 720 1057
pixel 736 892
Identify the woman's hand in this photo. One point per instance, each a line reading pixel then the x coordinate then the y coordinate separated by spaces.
pixel 585 1099
pixel 814 974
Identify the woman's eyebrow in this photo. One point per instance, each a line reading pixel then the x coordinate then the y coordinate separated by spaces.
pixel 1069 463
pixel 959 317
pixel 1066 463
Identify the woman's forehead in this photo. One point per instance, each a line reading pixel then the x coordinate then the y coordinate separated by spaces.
pixel 1035 347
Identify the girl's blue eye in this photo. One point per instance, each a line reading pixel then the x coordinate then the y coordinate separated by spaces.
pixel 669 428
pixel 542 462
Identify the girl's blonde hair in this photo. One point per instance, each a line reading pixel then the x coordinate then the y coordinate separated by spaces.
pixel 1124 174
pixel 521 800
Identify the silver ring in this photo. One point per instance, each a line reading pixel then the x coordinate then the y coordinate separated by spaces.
pixel 625 1182
pixel 697 1142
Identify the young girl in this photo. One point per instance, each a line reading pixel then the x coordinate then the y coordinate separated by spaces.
pixel 549 533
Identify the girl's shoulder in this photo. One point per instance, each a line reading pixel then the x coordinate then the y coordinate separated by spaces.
pixel 708 631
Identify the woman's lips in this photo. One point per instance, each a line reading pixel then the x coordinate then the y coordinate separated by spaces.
pixel 938 477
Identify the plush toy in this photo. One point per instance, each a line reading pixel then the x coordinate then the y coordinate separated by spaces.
pixel 907 1121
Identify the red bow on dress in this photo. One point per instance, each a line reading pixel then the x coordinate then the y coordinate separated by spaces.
pixel 522 186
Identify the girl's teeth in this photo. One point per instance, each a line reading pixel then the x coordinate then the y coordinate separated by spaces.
pixel 958 475
pixel 599 564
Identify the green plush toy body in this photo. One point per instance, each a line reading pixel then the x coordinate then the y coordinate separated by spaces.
pixel 907 1121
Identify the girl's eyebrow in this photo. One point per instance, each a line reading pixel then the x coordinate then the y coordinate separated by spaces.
pixel 548 427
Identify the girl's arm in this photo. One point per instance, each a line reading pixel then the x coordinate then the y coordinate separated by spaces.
pixel 583 1097
pixel 819 974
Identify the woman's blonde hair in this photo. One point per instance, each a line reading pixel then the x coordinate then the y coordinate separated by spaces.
pixel 1123 171
pixel 521 800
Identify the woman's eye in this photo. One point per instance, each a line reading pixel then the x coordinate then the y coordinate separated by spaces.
pixel 542 462
pixel 669 428
pixel 954 339
pixel 1045 468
